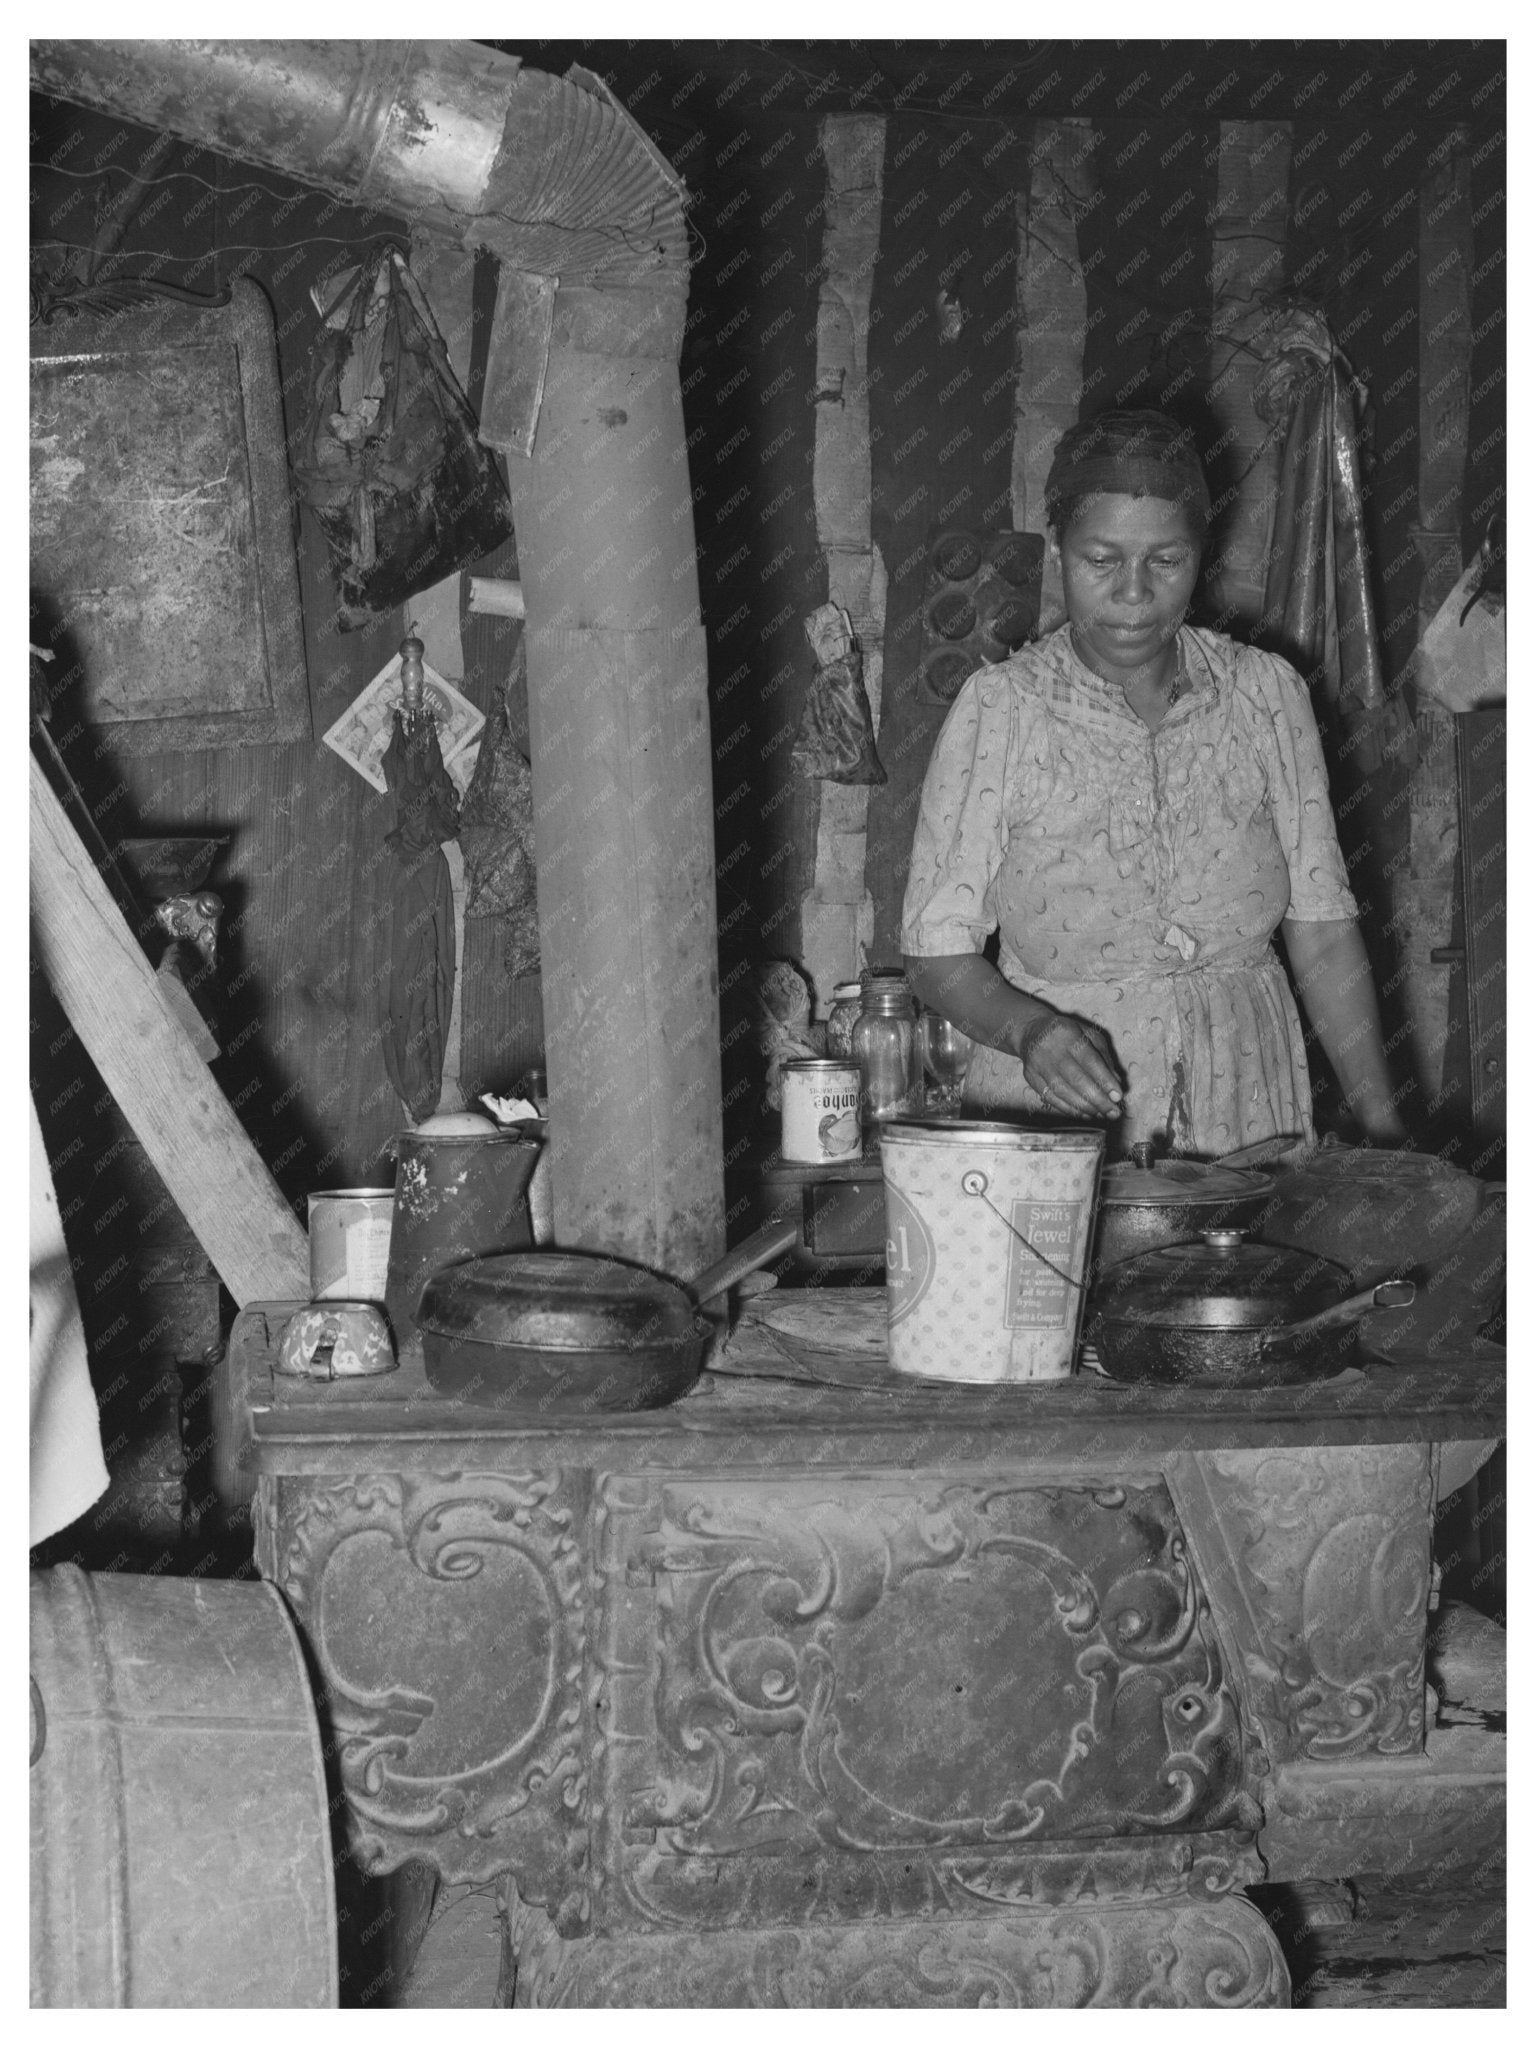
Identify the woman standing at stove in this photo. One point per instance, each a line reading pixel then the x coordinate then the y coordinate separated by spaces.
pixel 1136 806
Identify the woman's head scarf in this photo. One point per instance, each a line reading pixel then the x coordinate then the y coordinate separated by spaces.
pixel 1136 454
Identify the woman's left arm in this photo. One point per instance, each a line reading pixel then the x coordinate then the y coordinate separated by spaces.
pixel 1333 976
pixel 1322 939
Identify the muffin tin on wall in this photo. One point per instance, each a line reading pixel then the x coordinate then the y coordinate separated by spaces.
pixel 981 604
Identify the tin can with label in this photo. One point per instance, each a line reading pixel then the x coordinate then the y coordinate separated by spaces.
pixel 349 1233
pixel 821 1112
pixel 988 1230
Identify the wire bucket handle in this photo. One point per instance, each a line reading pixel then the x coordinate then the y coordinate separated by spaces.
pixel 974 1182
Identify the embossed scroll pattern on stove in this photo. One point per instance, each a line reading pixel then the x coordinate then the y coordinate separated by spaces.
pixel 1319 1560
pixel 448 1614
pixel 891 1697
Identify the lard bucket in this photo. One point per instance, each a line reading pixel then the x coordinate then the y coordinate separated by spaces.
pixel 988 1232
pixel 349 1230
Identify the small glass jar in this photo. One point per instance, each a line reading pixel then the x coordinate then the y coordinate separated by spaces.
pixel 847 1002
pixel 888 1051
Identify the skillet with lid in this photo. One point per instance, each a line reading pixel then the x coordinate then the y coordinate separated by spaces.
pixel 1225 1312
pixel 572 1332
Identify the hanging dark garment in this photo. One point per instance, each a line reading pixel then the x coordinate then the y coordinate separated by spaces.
pixel 496 833
pixel 1317 599
pixel 416 994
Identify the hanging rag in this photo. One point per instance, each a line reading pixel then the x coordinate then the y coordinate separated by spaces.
pixel 392 465
pixel 417 990
pixel 496 833
pixel 1317 599
pixel 836 740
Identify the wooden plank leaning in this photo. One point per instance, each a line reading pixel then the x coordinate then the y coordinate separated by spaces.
pixel 194 1140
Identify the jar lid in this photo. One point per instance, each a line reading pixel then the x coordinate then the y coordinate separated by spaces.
pixel 888 994
pixel 1180 1181
pixel 1220 1281
pixel 456 1123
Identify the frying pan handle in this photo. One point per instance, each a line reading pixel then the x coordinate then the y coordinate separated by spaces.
pixel 763 1246
pixel 1390 1294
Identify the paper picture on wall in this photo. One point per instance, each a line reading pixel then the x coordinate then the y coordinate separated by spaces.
pixel 362 732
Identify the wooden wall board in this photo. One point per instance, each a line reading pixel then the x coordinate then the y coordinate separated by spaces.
pixel 1052 320
pixel 942 410
pixel 837 914
pixel 1248 265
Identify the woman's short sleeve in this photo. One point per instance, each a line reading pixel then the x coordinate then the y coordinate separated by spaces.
pixel 962 831
pixel 1303 815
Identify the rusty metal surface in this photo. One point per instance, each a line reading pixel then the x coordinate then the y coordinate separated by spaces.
pixel 349 116
pixel 841 1697
pixel 1172 1954
pixel 802 1701
pixel 550 172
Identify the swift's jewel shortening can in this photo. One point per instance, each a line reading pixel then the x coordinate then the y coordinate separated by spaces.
pixel 821 1112
pixel 988 1231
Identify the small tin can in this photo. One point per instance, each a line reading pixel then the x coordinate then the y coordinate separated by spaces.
pixel 349 1233
pixel 821 1112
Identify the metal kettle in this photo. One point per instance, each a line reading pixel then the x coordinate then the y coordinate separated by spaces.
pixel 460 1193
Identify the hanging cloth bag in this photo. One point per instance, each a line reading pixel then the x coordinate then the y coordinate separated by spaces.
pixel 393 469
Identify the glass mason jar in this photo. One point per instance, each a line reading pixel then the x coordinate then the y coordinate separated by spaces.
pixel 847 1003
pixel 888 1051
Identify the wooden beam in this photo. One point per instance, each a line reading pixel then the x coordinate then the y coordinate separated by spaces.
pixel 1247 273
pixel 194 1140
pixel 837 914
pixel 1053 321
pixel 1424 906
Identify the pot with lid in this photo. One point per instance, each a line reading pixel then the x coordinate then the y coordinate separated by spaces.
pixel 1146 1202
pixel 558 1330
pixel 1224 1312
pixel 566 1333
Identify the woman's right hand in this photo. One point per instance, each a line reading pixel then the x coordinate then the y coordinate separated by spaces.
pixel 1071 1066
